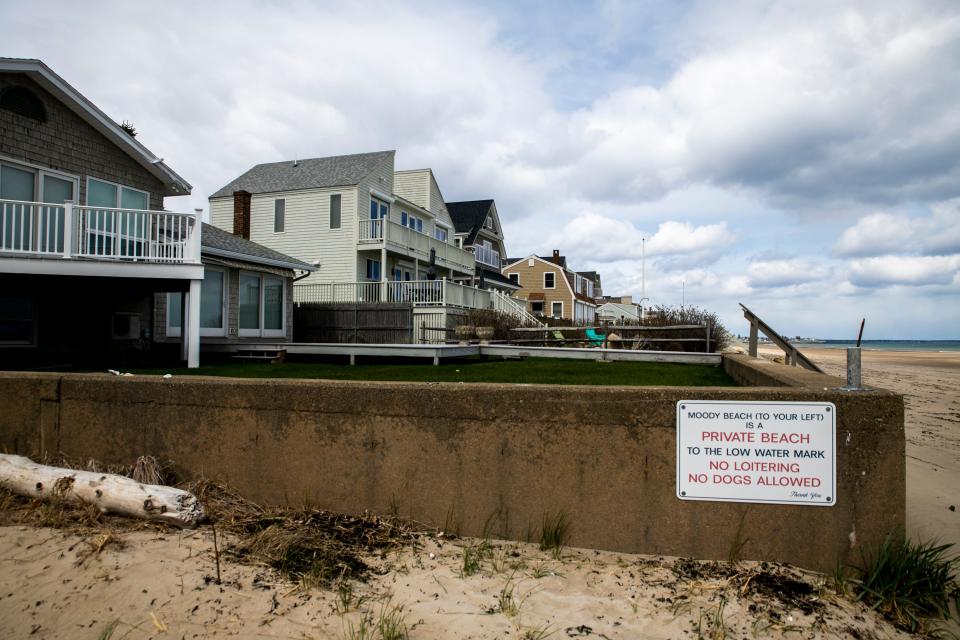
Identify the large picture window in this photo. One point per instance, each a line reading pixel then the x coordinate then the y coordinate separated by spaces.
pixel 29 228
pixel 262 308
pixel 213 302
pixel 101 235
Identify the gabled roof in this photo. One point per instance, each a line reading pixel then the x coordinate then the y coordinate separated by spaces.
pixel 314 173
pixel 560 260
pixel 469 216
pixel 44 76
pixel 217 242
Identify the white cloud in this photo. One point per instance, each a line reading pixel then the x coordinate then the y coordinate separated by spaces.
pixel 600 238
pixel 885 233
pixel 779 273
pixel 904 270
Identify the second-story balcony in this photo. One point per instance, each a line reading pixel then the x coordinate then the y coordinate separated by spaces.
pixel 374 234
pixel 487 256
pixel 37 231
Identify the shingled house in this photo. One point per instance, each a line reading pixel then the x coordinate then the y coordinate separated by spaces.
pixel 478 230
pixel 551 289
pixel 246 296
pixel 84 240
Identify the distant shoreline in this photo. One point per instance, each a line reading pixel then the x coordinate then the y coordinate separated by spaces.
pixel 877 345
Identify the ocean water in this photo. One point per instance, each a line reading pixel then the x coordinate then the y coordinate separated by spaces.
pixel 890 345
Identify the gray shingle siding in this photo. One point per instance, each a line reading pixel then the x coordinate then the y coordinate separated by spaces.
pixel 65 142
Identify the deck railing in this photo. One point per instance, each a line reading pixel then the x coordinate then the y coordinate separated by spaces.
pixel 419 293
pixel 42 230
pixel 390 233
pixel 505 304
pixel 487 256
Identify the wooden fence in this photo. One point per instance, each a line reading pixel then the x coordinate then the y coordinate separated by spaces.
pixel 377 323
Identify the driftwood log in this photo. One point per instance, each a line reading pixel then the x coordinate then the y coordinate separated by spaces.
pixel 111 493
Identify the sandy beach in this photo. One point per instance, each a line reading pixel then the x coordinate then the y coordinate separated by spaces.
pixel 930 384
pixel 142 582
pixel 159 585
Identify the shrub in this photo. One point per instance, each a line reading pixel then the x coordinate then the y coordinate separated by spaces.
pixel 501 322
pixel 661 316
pixel 909 582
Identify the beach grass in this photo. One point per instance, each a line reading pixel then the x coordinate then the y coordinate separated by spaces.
pixel 530 371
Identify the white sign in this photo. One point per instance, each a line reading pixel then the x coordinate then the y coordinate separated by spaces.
pixel 768 452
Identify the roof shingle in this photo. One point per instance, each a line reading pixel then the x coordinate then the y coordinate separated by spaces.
pixel 219 240
pixel 335 171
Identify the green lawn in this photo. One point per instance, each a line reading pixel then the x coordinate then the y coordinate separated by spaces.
pixel 530 370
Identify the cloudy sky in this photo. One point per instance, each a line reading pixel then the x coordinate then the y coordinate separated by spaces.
pixel 802 158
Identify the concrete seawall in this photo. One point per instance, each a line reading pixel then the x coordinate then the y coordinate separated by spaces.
pixel 461 455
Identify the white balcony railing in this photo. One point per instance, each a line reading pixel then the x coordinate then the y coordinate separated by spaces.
pixel 419 293
pixel 487 255
pixel 35 229
pixel 373 232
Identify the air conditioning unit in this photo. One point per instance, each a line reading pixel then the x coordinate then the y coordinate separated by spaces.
pixel 125 326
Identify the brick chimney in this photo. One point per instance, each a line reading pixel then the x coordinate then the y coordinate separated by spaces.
pixel 241 214
pixel 556 256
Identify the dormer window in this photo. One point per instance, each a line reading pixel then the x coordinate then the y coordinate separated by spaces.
pixel 24 102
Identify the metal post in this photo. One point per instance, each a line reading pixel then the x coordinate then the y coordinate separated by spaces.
pixel 754 329
pixel 853 368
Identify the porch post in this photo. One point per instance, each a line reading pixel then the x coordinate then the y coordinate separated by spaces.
pixel 383 274
pixel 68 233
pixel 184 301
pixel 193 322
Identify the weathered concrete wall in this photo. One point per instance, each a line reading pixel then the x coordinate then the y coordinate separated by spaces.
pixel 455 455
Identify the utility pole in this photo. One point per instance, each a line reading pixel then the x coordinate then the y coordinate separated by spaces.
pixel 643 268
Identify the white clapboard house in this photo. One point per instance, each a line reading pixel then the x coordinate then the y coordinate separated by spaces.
pixel 372 233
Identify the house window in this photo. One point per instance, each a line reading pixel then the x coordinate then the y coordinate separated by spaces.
pixel 556 309
pixel 536 307
pixel 459 243
pixel 335 211
pixel 101 193
pixel 514 278
pixel 379 211
pixel 261 300
pixel 397 274
pixel 373 270
pixel 549 280
pixel 279 212
pixel 16 320
pixel 488 223
pixel 411 221
pixel 440 234
pixel 213 302
pixel 100 232
pixel 25 228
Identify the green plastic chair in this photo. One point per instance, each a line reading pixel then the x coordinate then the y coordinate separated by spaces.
pixel 596 339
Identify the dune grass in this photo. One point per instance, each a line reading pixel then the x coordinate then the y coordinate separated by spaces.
pixel 530 370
